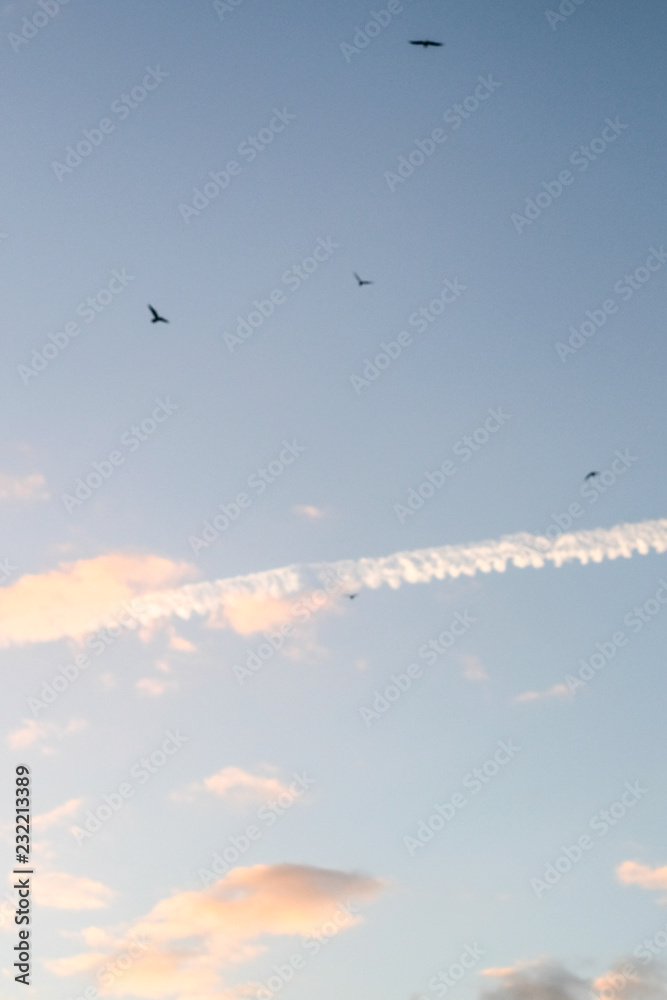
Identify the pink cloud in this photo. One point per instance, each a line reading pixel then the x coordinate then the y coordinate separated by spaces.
pixel 77 597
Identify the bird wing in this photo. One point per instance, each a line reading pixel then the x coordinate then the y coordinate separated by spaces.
pixel 357 276
pixel 155 315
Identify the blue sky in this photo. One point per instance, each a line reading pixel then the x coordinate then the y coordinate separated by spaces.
pixel 214 414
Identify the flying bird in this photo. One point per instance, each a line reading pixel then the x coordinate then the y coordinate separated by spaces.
pixel 590 475
pixel 360 281
pixel 425 43
pixel 351 596
pixel 156 317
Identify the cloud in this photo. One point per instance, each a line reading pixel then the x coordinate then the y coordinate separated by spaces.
pixel 257 601
pixel 180 643
pixel 57 815
pixel 238 785
pixel 247 613
pixel 542 979
pixel 306 510
pixel 28 488
pixel 633 873
pixel 78 597
pixel 625 982
pixel 154 687
pixel 193 938
pixel 473 668
pixel 557 691
pixel 62 891
pixel 33 731
pixel 545 979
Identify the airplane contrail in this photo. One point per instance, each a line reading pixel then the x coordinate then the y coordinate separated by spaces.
pixel 419 566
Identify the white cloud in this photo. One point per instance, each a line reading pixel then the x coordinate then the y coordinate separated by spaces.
pixel 57 815
pixel 62 891
pixel 33 732
pixel 237 785
pixel 557 691
pixel 27 488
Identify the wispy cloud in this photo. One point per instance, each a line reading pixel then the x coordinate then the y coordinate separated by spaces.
pixel 32 732
pixel 193 938
pixel 57 815
pixel 556 691
pixel 23 488
pixel 62 891
pixel 77 597
pixel 237 785
pixel 308 511
pixel 634 873
pixel 473 668
pixel 420 566
pixel 154 687
pixel 546 979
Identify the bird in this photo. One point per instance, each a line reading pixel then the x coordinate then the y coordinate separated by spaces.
pixel 351 596
pixel 590 475
pixel 360 281
pixel 425 43
pixel 156 317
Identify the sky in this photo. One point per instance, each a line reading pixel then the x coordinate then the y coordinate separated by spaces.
pixel 334 673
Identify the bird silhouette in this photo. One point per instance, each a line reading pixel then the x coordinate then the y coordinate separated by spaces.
pixel 156 317
pixel 351 596
pixel 360 281
pixel 425 43
pixel 590 475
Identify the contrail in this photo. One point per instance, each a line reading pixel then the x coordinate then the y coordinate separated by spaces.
pixel 419 566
